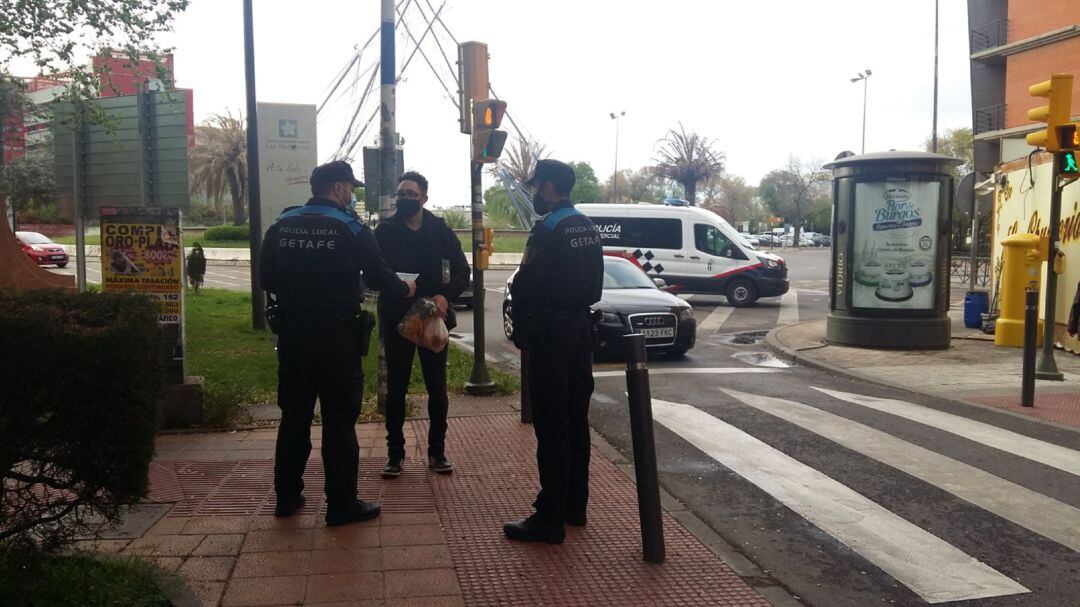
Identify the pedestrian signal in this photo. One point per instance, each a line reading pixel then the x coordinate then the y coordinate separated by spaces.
pixel 487 140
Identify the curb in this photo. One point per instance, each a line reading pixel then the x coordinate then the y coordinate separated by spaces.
pixel 791 355
pixel 765 585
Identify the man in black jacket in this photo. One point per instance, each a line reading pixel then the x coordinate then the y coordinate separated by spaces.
pixel 415 241
pixel 561 275
pixel 311 261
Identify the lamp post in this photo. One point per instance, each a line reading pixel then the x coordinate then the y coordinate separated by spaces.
pixel 615 175
pixel 865 77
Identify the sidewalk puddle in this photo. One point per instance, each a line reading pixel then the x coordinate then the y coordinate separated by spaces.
pixel 761 359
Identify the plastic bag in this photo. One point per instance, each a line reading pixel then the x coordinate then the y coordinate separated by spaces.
pixel 423 325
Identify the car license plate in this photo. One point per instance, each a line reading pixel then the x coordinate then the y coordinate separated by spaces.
pixel 654 333
pixel 56 257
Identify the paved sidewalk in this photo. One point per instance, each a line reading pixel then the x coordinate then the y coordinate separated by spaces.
pixel 438 542
pixel 971 370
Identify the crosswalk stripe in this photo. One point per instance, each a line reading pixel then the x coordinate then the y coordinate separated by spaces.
pixel 932 568
pixel 687 296
pixel 716 318
pixel 1029 509
pixel 789 308
pixel 693 371
pixel 1019 445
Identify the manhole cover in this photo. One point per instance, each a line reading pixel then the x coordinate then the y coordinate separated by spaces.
pixel 745 339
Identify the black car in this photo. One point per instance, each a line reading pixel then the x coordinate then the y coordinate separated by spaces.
pixel 632 302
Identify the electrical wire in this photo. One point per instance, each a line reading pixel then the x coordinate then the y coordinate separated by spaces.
pixel 438 77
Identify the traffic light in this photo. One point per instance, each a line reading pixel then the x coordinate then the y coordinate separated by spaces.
pixel 487 140
pixel 1058 91
pixel 473 76
pixel 487 247
pixel 1068 167
pixel 1069 136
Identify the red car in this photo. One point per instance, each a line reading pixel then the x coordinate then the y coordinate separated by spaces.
pixel 42 250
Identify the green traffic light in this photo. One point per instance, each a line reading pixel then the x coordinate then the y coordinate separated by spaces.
pixel 1068 164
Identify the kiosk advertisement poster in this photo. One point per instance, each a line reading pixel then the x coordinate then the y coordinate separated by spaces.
pixel 896 240
pixel 141 253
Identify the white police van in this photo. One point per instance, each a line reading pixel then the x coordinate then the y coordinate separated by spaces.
pixel 692 249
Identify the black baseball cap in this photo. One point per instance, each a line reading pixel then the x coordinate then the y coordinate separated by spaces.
pixel 337 170
pixel 560 174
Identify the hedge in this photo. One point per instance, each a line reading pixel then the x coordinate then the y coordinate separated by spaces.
pixel 80 385
pixel 222 233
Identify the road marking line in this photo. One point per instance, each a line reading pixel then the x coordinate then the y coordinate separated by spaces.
pixel 1019 445
pixel 697 371
pixel 716 318
pixel 687 296
pixel 789 308
pixel 1029 509
pixel 932 568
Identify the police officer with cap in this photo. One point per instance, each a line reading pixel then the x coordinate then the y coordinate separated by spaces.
pixel 311 262
pixel 561 275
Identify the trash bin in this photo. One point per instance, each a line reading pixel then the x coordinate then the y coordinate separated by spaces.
pixel 976 303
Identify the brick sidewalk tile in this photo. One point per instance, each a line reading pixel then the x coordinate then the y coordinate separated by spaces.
pixel 347 560
pixel 337 587
pixel 202 525
pixel 259 592
pixel 277 540
pixel 273 564
pixel 208 568
pixel 220 545
pixel 208 592
pixel 421 582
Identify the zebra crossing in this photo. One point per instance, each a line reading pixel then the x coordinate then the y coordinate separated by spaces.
pixel 934 567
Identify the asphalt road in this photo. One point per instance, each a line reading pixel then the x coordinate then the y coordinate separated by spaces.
pixel 843 499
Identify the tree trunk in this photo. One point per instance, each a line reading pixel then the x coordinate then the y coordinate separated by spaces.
pixel 691 191
pixel 239 214
pixel 798 223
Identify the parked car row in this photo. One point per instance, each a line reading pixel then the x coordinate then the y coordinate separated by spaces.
pixel 806 239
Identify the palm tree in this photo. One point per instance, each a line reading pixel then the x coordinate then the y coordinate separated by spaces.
pixel 219 162
pixel 523 155
pixel 688 159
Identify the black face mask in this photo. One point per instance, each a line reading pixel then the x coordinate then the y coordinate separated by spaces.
pixel 407 207
pixel 540 205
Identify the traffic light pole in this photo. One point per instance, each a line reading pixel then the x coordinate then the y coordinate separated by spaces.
pixel 1047 366
pixel 480 382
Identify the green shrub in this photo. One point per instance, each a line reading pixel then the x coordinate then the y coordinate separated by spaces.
pixel 220 233
pixel 31 578
pixel 80 385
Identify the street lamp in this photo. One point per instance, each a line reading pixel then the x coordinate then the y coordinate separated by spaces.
pixel 615 176
pixel 865 77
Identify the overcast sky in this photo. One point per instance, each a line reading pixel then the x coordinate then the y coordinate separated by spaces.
pixel 764 79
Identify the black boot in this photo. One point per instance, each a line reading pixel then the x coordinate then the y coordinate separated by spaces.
pixel 533 529
pixel 440 464
pixel 352 513
pixel 287 507
pixel 392 469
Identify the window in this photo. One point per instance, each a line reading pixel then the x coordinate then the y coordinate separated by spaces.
pixel 708 239
pixel 639 232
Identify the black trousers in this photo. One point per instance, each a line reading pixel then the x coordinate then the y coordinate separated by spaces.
pixel 316 359
pixel 399 363
pixel 561 386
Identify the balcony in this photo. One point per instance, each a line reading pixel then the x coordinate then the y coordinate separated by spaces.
pixel 991 118
pixel 990 35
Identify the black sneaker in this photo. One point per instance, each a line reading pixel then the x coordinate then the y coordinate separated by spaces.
pixel 288 507
pixel 353 513
pixel 392 469
pixel 577 519
pixel 440 464
pixel 532 529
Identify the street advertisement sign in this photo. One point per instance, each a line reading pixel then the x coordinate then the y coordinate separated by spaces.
pixel 141 253
pixel 896 239
pixel 1022 206
pixel 287 152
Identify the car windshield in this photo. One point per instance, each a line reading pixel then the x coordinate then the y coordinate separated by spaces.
pixel 33 238
pixel 621 274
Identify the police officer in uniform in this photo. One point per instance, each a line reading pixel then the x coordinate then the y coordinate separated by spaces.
pixel 561 275
pixel 311 262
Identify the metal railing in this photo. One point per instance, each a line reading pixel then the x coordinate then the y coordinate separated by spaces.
pixel 960 271
pixel 990 118
pixel 989 35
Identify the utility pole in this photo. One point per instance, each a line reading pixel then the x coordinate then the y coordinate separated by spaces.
pixel 258 303
pixel 388 139
pixel 615 175
pixel 1047 366
pixel 933 137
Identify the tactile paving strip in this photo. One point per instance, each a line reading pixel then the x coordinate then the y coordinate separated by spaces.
pixel 496 480
pixel 245 487
pixel 1060 408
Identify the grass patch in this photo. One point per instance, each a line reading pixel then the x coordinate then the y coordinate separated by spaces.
pixel 503 244
pixel 239 364
pixel 80 579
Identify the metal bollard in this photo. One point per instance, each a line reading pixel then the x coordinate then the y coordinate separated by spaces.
pixel 641 430
pixel 526 399
pixel 1031 333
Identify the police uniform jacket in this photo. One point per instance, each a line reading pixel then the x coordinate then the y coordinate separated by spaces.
pixel 312 258
pixel 422 252
pixel 562 270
